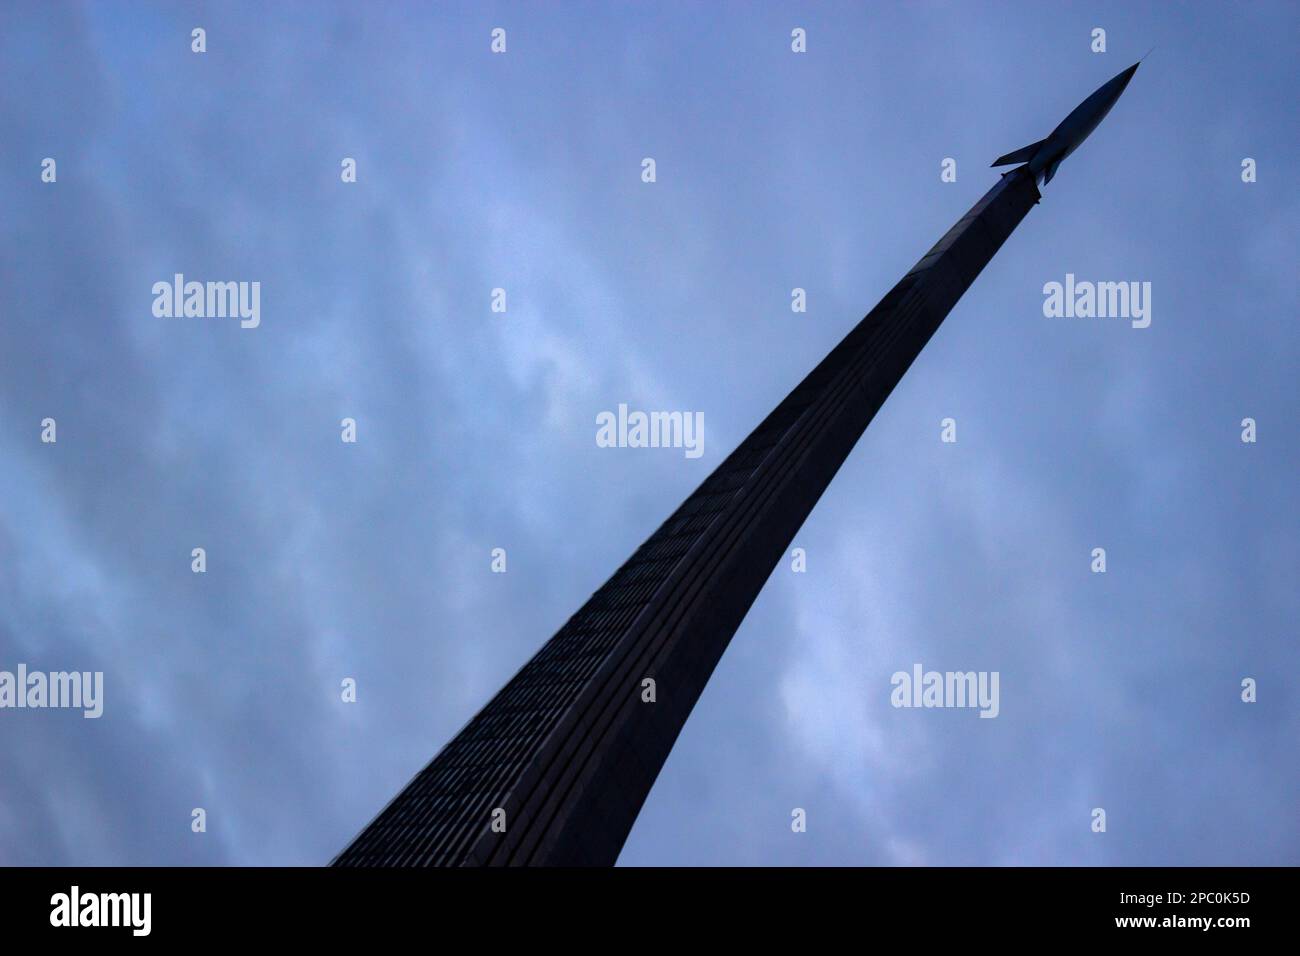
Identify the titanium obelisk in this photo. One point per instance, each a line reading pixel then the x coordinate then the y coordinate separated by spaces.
pixel 556 767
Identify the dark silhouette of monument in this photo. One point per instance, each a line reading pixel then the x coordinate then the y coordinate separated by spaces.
pixel 562 758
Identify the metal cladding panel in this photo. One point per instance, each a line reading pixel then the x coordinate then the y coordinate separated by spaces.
pixel 567 748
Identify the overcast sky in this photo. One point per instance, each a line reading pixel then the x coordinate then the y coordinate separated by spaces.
pixel 476 430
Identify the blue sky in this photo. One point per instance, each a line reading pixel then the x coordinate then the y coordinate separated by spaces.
pixel 477 430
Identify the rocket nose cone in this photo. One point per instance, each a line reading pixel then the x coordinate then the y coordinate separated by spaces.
pixel 1112 89
pixel 1127 75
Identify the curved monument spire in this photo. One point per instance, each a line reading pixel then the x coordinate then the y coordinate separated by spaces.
pixel 556 767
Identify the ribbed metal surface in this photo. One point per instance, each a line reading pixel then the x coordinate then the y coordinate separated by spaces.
pixel 568 748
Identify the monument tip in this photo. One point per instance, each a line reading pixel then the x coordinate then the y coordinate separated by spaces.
pixel 1045 156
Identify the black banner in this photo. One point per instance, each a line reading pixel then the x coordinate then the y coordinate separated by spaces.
pixel 332 905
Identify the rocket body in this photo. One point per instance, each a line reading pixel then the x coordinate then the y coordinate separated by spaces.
pixel 1046 155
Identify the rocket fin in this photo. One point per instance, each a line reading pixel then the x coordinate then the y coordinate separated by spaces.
pixel 1021 155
